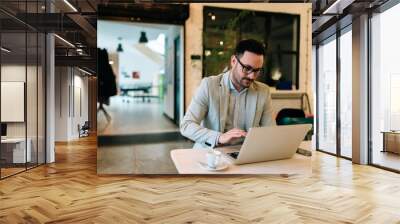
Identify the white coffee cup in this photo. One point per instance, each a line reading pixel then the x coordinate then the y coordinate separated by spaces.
pixel 213 158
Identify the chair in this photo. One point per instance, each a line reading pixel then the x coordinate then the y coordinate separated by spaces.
pixel 290 116
pixel 84 130
pixel 289 112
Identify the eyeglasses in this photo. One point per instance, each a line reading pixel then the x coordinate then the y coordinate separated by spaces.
pixel 248 69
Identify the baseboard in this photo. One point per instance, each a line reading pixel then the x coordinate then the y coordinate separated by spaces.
pixel 144 138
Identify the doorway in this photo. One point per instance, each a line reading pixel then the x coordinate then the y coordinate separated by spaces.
pixel 146 60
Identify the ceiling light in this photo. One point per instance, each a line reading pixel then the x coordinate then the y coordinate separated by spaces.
pixel 337 7
pixel 65 41
pixel 84 71
pixel 119 48
pixel 221 43
pixel 70 5
pixel 5 50
pixel 143 38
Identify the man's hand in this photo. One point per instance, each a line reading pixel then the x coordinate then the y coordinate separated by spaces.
pixel 231 135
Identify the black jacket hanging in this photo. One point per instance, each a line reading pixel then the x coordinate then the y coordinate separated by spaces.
pixel 107 85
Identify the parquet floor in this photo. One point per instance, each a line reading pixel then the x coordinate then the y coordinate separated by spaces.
pixel 69 191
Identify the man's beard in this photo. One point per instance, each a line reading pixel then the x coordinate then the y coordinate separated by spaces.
pixel 240 81
pixel 246 80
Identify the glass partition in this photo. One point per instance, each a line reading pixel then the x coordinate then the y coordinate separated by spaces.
pixel 22 88
pixel 13 94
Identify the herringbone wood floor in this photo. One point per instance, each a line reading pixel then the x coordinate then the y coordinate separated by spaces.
pixel 69 191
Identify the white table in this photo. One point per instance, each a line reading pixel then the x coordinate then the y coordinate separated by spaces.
pixel 187 162
pixel 19 155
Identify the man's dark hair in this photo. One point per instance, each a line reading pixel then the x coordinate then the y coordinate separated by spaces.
pixel 250 45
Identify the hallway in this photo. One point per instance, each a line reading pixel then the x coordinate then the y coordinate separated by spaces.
pixel 134 117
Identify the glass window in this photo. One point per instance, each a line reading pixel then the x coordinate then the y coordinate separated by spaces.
pixel 22 88
pixel 14 153
pixel 385 84
pixel 346 94
pixel 327 96
pixel 224 28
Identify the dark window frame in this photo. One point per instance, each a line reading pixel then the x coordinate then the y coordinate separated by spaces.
pixel 263 14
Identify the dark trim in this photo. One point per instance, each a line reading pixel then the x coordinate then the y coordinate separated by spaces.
pixel 145 12
pixel 347 158
pixel 143 138
pixel 13 174
pixel 170 119
pixel 26 91
pixel 46 36
pixel 11 15
pixel 386 6
pixel 184 69
pixel 385 168
pixel 45 95
pixel 298 53
pixel 73 91
pixel 37 95
pixel 317 95
pixel 329 153
pixel 340 23
pixel 333 154
pixel 370 90
pixel 338 100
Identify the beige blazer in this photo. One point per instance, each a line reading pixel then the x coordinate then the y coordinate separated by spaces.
pixel 206 115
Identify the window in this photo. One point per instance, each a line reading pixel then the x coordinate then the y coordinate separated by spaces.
pixel 327 95
pixel 279 32
pixel 346 93
pixel 22 75
pixel 385 88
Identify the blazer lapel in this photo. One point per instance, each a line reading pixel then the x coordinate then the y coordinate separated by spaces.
pixel 251 105
pixel 223 101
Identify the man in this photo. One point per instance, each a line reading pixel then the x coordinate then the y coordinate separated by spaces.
pixel 227 105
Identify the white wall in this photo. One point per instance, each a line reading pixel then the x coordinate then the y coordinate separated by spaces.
pixel 133 60
pixel 71 96
pixel 16 73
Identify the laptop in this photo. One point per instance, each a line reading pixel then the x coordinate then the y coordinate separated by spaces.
pixel 268 143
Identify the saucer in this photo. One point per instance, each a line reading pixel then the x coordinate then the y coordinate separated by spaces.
pixel 221 166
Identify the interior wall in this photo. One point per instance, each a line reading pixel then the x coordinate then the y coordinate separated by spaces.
pixel 71 102
pixel 17 73
pixel 194 41
pixel 169 97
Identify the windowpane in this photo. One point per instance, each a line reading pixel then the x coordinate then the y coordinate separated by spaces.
pixel 327 96
pixel 224 28
pixel 346 94
pixel 386 89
